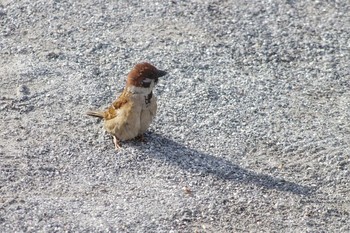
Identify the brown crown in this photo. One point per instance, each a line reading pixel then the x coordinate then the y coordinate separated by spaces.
pixel 143 71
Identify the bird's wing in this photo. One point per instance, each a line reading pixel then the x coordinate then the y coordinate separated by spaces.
pixel 111 112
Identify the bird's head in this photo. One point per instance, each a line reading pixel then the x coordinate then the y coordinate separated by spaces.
pixel 144 75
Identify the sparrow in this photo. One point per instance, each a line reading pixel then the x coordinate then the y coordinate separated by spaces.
pixel 130 115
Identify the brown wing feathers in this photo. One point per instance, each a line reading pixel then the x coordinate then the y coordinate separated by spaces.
pixel 111 111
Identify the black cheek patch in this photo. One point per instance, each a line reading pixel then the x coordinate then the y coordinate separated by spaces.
pixel 144 84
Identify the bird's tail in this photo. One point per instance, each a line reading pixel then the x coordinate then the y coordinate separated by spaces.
pixel 96 114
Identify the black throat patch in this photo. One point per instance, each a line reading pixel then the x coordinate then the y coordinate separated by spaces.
pixel 148 98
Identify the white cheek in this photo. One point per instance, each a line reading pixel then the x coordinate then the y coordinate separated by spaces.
pixel 147 80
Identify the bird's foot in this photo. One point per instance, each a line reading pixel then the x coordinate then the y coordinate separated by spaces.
pixel 116 143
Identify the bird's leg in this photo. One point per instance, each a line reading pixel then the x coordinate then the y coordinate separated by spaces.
pixel 116 143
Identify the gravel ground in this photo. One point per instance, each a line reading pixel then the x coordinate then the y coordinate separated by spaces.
pixel 252 133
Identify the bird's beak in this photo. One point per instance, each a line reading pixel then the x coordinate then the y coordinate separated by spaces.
pixel 161 73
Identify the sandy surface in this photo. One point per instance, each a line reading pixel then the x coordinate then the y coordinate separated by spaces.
pixel 252 133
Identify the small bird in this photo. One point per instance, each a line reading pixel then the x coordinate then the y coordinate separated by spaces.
pixel 132 112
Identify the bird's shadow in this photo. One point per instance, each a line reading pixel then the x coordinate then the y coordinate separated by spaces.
pixel 174 153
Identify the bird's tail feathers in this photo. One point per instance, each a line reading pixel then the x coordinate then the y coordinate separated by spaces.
pixel 96 114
